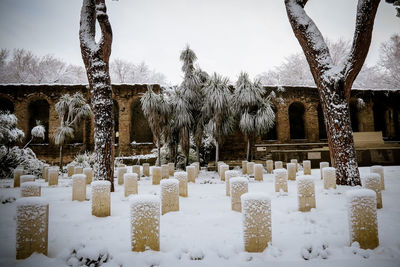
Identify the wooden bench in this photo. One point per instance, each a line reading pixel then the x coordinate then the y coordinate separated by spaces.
pixel 366 139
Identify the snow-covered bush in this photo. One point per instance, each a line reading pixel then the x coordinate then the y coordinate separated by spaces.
pixel 9 133
pixel 85 160
pixel 85 256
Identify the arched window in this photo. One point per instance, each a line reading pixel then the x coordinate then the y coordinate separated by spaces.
pixel 321 123
pixel 6 105
pixel 140 130
pixel 116 120
pixel 38 110
pixel 296 121
pixel 354 116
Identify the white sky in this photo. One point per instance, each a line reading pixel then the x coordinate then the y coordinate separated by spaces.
pixel 228 36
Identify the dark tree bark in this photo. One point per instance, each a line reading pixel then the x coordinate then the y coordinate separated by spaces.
pixel 96 56
pixel 334 82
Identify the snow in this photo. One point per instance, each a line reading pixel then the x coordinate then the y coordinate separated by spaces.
pixel 206 232
pixel 31 201
pixel 30 185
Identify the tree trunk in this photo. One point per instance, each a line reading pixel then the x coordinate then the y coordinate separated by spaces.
pixel 96 58
pixel 158 152
pixel 61 157
pixel 216 152
pixel 248 150
pixel 198 154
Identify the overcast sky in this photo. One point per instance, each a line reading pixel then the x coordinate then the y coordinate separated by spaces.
pixel 228 36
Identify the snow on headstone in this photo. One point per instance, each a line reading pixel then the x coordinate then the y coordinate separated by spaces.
pixel 197 168
pixel 270 166
pixel 278 164
pixel 101 202
pixel 219 164
pixel 52 174
pixel 244 166
pixel 164 171
pixel 145 222
pixel 171 168
pixel 363 220
pixel 379 170
pixel 250 168
pixel 183 185
pixel 329 174
pixel 295 162
pixel 191 173
pixel 169 195
pixel 17 177
pixel 156 175
pixel 30 189
pixel 78 170
pixel 70 170
pixel 373 181
pixel 307 167
pixel 136 169
pixel 45 173
pixel 291 169
pixel 130 184
pixel 27 178
pixel 229 175
pixel 120 174
pixel 238 187
pixel 258 172
pixel 223 169
pixel 89 175
pixel 257 229
pixel 306 193
pixel 322 165
pixel 32 226
pixel 281 180
pixel 146 169
pixel 79 187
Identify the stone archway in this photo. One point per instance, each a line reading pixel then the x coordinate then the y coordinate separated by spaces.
pixel 38 110
pixel 140 129
pixel 297 121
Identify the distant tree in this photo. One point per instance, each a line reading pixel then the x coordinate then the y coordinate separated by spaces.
pixel 9 133
pixel 255 113
pixel 389 61
pixel 96 57
pixel 396 3
pixel 71 111
pixel 37 132
pixel 217 108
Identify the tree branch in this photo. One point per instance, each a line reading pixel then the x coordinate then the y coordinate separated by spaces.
pixel 87 29
pixel 106 31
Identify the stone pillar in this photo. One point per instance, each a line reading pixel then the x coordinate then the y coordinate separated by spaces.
pixel 169 195
pixel 136 169
pixel 171 168
pixel 257 229
pixel 229 175
pixel 258 172
pixel 306 193
pixel 70 170
pixel 32 226
pixel 17 177
pixel 372 181
pixel 244 166
pixel 282 123
pixel 30 189
pixel 101 199
pixel 78 170
pixel 27 178
pixel 191 174
pixel 130 184
pixel 329 174
pixel 223 169
pixel 238 187
pixel 281 179
pixel 311 121
pixel 250 168
pixel 295 162
pixel 145 222
pixel 362 217
pixel 322 165
pixel 89 175
pixel 146 169
pixel 52 174
pixel 270 166
pixel 183 185
pixel 79 187
pixel 164 171
pixel 307 167
pixel 291 169
pixel 379 170
pixel 278 164
pixel 156 175
pixel 120 174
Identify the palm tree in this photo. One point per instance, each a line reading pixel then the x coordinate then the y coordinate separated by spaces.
pixel 156 110
pixel 37 132
pixel 71 110
pixel 217 108
pixel 255 112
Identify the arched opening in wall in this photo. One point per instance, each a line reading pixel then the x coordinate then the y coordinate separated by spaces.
pixel 296 121
pixel 271 135
pixel 321 124
pixel 38 110
pixel 354 116
pixel 116 120
pixel 140 130
pixel 380 118
pixel 78 133
pixel 396 118
pixel 6 105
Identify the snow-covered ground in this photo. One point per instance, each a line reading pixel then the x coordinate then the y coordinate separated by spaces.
pixel 205 232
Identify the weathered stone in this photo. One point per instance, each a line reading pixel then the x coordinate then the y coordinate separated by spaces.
pixel 379 170
pixel 169 195
pixel 307 167
pixel 295 162
pixel 329 174
pixel 291 169
pixel 238 187
pixel 89 175
pixel 101 199
pixel 270 166
pixel 79 187
pixel 191 173
pixel 52 174
pixel 197 168
pixel 223 169
pixel 171 168
pixel 278 164
pixel 183 183
pixel 244 166
pixel 156 175
pixel 17 177
pixel 373 181
pixel 27 178
pixel 70 170
pixel 146 169
pixel 229 175
pixel 136 169
pixel 30 189
pixel 120 174
pixel 78 170
pixel 130 184
pixel 258 172
pixel 250 168
pixel 281 180
pixel 322 165
pixel 164 171
pixel 306 193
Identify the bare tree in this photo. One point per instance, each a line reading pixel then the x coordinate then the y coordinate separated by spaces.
pixel 389 61
pixel 96 57
pixel 334 82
